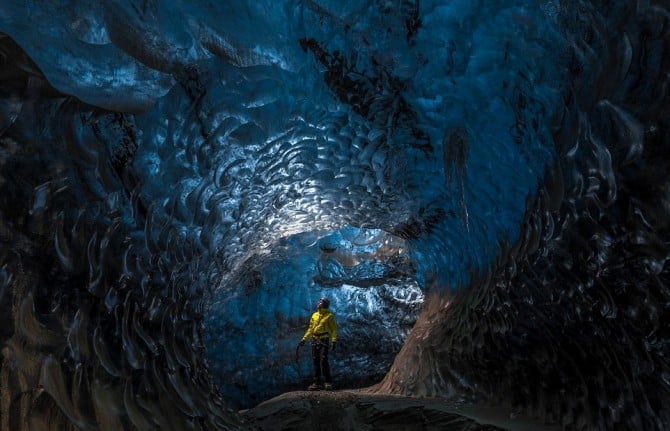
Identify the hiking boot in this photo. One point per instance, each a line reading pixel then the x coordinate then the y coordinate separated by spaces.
pixel 314 387
pixel 328 387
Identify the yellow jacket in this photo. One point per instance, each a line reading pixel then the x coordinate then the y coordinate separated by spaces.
pixel 322 325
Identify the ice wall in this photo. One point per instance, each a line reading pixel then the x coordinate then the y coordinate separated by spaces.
pixel 568 324
pixel 155 157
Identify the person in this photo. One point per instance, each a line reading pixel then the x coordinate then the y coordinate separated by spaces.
pixel 322 330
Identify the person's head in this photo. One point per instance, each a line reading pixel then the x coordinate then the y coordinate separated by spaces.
pixel 323 303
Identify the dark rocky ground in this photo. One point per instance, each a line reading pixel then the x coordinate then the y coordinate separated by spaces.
pixel 363 410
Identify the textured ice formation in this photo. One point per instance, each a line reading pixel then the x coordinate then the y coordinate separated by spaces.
pixel 179 182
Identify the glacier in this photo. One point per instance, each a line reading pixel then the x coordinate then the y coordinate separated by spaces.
pixel 481 188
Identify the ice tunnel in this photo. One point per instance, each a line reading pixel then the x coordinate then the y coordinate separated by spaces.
pixel 480 188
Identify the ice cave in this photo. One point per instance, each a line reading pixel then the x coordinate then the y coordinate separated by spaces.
pixel 481 189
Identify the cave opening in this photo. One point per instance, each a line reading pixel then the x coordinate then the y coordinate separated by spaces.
pixel 251 335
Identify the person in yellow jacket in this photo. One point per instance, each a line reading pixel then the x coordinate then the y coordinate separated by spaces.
pixel 322 331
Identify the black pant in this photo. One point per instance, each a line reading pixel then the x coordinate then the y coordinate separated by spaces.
pixel 320 358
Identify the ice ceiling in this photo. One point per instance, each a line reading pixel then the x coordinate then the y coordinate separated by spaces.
pixel 180 181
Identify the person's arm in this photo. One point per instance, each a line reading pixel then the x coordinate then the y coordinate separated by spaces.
pixel 333 328
pixel 310 329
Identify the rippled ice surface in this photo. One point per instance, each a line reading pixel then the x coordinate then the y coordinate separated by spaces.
pixel 171 173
